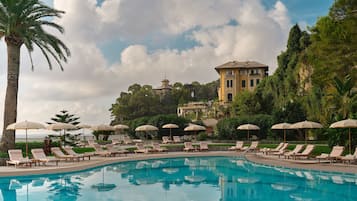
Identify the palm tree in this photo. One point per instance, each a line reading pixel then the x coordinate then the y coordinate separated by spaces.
pixel 345 98
pixel 22 22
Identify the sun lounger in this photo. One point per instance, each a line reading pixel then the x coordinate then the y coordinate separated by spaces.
pixel 253 146
pixel 39 156
pixel 269 150
pixel 114 151
pixel 140 148
pixel 127 140
pixel 296 150
pixel 70 151
pixel 166 140
pixel 60 155
pixel 16 158
pixel 335 154
pixel 203 146
pixel 188 146
pixel 115 142
pixel 177 139
pixel 306 153
pixel 99 151
pixel 156 148
pixel 350 157
pixel 237 147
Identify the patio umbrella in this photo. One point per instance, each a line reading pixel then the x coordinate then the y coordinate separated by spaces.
pixel 194 127
pixel 347 123
pixel 121 127
pixel 282 126
pixel 146 128
pixel 102 127
pixel 306 125
pixel 248 127
pixel 25 125
pixel 170 126
pixel 61 126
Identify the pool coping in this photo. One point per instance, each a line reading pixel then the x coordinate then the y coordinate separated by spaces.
pixel 68 167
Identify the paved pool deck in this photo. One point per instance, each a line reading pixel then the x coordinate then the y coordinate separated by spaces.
pixel 8 171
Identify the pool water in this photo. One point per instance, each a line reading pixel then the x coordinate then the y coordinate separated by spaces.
pixel 183 179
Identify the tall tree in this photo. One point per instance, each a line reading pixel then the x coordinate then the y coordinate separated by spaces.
pixel 65 117
pixel 23 22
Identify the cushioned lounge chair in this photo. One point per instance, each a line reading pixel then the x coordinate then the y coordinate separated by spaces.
pixel 296 150
pixel 203 146
pixel 350 157
pixel 188 146
pixel 335 154
pixel 306 153
pixel 60 155
pixel 115 151
pixel 16 158
pixel 115 141
pixel 157 148
pixel 269 150
pixel 69 150
pixel 127 140
pixel 166 140
pixel 99 151
pixel 39 156
pixel 140 148
pixel 253 146
pixel 238 147
pixel 177 139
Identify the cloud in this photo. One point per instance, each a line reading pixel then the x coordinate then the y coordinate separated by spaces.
pixel 90 84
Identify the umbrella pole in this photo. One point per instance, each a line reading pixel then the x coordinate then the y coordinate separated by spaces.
pixel 170 134
pixel 27 146
pixel 248 135
pixel 349 136
pixel 284 136
pixel 305 136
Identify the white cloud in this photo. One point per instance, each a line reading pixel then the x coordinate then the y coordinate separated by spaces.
pixel 90 84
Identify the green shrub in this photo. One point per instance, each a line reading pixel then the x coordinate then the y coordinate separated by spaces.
pixel 83 149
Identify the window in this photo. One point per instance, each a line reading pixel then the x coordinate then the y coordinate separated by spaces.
pixel 229 72
pixel 243 83
pixel 251 83
pixel 229 97
pixel 229 83
pixel 257 81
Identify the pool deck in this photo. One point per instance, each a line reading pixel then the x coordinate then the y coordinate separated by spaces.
pixel 99 161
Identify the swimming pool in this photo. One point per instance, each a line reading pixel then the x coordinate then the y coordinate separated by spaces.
pixel 183 179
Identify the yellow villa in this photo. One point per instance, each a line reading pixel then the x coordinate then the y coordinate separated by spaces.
pixel 238 76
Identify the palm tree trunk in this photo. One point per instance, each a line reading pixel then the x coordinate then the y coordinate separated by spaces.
pixel 10 108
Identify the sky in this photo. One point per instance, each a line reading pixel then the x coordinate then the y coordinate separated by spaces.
pixel 116 43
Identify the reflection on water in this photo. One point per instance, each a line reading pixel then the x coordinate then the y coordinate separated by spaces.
pixel 196 179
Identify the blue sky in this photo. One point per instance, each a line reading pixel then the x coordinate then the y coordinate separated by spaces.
pixel 115 44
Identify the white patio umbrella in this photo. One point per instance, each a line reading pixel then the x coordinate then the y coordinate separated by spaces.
pixel 121 127
pixel 61 126
pixel 194 127
pixel 347 123
pixel 248 127
pixel 306 125
pixel 170 126
pixel 102 127
pixel 25 125
pixel 282 126
pixel 146 128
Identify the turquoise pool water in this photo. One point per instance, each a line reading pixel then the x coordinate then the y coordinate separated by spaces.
pixel 183 179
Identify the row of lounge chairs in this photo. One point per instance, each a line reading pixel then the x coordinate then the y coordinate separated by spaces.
pixel 240 146
pixel 167 140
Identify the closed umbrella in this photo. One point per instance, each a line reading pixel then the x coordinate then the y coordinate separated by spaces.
pixel 282 126
pixel 61 126
pixel 25 125
pixel 170 126
pixel 306 125
pixel 248 127
pixel 347 123
pixel 146 128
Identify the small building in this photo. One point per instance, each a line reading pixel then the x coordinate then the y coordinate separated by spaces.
pixel 193 110
pixel 164 89
pixel 238 76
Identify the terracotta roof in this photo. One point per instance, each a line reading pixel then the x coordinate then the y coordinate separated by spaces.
pixel 241 64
